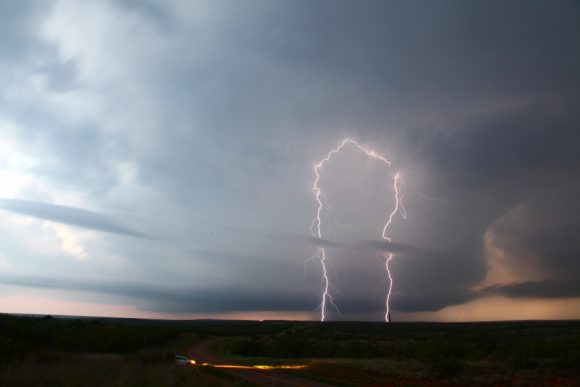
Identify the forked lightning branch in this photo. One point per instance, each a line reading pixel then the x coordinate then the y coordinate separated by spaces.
pixel 316 225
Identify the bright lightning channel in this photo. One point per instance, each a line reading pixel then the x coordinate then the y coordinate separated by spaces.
pixel 316 225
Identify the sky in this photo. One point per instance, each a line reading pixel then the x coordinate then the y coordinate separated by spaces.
pixel 157 158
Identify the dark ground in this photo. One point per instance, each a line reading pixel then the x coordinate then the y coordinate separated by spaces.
pixel 96 351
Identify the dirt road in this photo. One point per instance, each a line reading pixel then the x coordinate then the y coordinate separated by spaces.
pixel 202 353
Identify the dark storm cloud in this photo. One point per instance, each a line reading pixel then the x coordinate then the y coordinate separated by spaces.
pixel 17 22
pixel 362 246
pixel 518 148
pixel 366 61
pixel 60 76
pixel 171 299
pixel 480 97
pixel 69 215
pixel 496 152
pixel 509 133
pixel 539 289
pixel 230 299
pixel 431 302
pixel 524 156
pixel 238 260
pixel 314 241
pixel 178 299
pixel 151 9
pixel 398 248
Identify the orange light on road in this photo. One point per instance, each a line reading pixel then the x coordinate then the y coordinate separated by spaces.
pixel 254 367
pixel 260 366
pixel 272 367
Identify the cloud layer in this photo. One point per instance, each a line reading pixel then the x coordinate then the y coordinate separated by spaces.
pixel 69 215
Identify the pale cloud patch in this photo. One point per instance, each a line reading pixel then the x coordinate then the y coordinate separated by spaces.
pixel 76 106
pixel 88 32
pixel 508 261
pixel 3 262
pixel 70 240
pixel 114 52
pixel 20 230
pixel 15 163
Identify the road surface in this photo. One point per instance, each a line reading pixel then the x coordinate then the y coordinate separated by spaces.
pixel 202 353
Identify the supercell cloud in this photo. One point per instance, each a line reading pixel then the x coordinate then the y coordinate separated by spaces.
pixel 195 126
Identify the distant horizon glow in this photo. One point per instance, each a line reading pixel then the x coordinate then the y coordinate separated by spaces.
pixel 487 309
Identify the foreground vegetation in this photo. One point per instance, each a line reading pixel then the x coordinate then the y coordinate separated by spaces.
pixel 468 353
pixel 48 351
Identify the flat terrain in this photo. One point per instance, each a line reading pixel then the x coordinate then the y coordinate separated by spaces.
pixel 47 351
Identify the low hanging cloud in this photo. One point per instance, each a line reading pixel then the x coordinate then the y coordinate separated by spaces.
pixel 368 246
pixel 71 216
pixel 564 288
pixel 183 299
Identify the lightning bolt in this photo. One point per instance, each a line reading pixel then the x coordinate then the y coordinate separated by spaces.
pixel 316 225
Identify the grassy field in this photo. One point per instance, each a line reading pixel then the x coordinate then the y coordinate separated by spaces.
pixel 47 351
pixel 543 352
